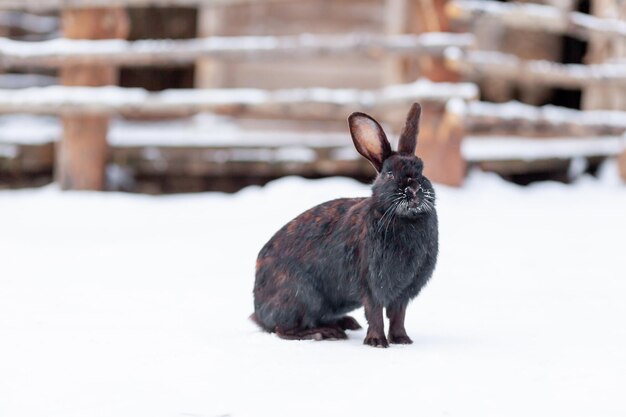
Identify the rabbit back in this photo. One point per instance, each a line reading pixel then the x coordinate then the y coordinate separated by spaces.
pixel 308 272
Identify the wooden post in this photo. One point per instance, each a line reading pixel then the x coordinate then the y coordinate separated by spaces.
pixel 601 49
pixel 440 143
pixel 430 16
pixel 209 72
pixel 441 149
pixel 395 24
pixel 621 163
pixel 82 153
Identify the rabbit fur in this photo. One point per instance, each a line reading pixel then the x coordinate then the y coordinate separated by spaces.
pixel 377 252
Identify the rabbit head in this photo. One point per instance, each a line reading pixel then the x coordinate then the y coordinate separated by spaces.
pixel 400 186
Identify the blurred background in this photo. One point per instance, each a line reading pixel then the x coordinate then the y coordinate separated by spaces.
pixel 123 303
pixel 168 96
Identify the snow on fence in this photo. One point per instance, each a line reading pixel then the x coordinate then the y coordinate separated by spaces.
pixel 536 17
pixel 320 103
pixel 94 48
pixel 55 53
pixel 467 126
pixel 565 133
pixel 15 81
pixel 498 65
pixel 516 118
pixel 516 131
pixel 28 22
pixel 39 5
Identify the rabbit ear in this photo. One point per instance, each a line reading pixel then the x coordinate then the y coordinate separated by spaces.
pixel 408 137
pixel 369 139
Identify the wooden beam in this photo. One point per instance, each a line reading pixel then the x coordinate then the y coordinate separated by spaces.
pixel 621 164
pixel 319 103
pixel 82 155
pixel 497 65
pixel 28 23
pixel 53 53
pixel 429 16
pixel 601 50
pixel 517 119
pixel 210 72
pixel 45 5
pixel 524 148
pixel 395 25
pixel 537 17
pixel 441 152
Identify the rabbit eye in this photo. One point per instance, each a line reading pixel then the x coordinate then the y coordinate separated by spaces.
pixel 389 174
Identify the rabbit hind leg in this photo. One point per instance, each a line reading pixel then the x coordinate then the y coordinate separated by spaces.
pixel 348 323
pixel 332 330
pixel 315 333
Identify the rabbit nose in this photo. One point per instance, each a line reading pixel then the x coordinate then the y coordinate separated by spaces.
pixel 409 192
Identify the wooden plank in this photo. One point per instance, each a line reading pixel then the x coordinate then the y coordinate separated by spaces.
pixel 517 119
pixel 478 148
pixel 429 17
pixel 24 23
pixel 496 65
pixel 209 71
pixel 603 49
pixel 54 53
pixel 82 155
pixel 395 24
pixel 441 149
pixel 537 17
pixel 318 103
pixel 442 132
pixel 46 5
pixel 621 163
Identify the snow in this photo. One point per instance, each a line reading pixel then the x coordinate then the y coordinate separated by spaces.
pixel 28 22
pixel 8 151
pixel 497 9
pixel 188 48
pixel 202 131
pixel 208 130
pixel 15 81
pixel 607 25
pixel 493 148
pixel 126 305
pixel 111 99
pixel 514 110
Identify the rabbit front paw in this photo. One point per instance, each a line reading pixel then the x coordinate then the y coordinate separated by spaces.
pixel 400 339
pixel 376 341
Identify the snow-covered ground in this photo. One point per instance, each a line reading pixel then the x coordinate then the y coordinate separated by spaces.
pixel 116 305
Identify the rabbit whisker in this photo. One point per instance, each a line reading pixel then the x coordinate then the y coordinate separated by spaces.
pixel 383 219
pixel 387 212
pixel 393 214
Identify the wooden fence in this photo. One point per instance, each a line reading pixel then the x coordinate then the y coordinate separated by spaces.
pixel 601 79
pixel 94 46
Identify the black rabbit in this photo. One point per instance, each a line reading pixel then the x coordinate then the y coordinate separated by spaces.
pixel 376 252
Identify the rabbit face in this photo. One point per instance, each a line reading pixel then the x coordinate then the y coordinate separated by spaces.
pixel 400 189
pixel 402 185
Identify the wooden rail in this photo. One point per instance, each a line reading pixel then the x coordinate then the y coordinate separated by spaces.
pixel 517 119
pixel 497 65
pixel 40 5
pixel 28 22
pixel 55 53
pixel 514 148
pixel 321 103
pixel 15 81
pixel 536 17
